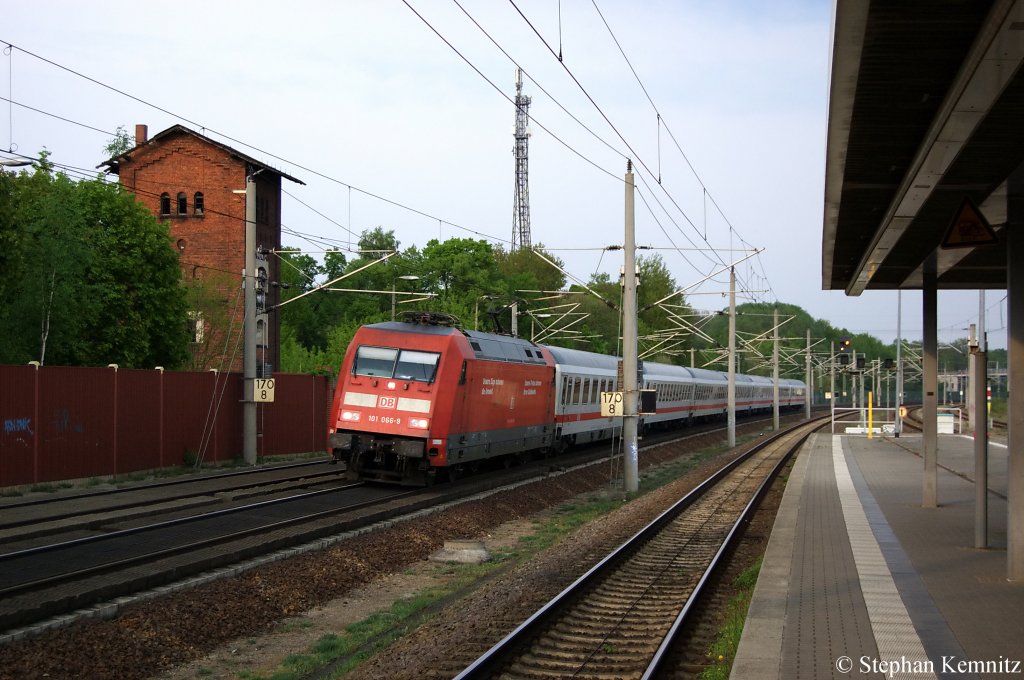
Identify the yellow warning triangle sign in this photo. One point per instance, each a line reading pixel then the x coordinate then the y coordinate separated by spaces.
pixel 969 228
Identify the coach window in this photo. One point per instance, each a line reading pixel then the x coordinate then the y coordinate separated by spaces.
pixel 419 366
pixel 577 388
pixel 375 361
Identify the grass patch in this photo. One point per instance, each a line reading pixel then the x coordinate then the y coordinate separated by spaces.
pixel 999 408
pixel 666 473
pixel 336 654
pixel 723 650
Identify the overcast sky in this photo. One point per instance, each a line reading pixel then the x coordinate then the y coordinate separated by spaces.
pixel 365 94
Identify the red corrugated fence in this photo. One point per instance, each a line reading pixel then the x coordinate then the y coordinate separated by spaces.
pixel 66 423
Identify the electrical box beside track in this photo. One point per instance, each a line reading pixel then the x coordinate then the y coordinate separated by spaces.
pixel 648 402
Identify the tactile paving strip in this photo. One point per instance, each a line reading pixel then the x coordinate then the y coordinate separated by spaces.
pixel 894 632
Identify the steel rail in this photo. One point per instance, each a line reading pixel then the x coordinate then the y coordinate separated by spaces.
pixel 107 567
pixel 661 655
pixel 487 664
pixel 50 547
pixel 153 485
pixel 313 479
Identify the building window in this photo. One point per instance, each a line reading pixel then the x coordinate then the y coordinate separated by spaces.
pixel 197 203
pixel 182 203
pixel 165 204
pixel 195 326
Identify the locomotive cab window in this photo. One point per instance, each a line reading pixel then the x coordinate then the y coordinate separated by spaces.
pixel 419 366
pixel 375 361
pixel 387 362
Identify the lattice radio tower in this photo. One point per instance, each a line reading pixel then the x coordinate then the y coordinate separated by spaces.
pixel 521 203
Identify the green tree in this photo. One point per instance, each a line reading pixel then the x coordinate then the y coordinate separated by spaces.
pixel 524 269
pixel 302 318
pixel 136 280
pixel 99 282
pixel 459 269
pixel 121 142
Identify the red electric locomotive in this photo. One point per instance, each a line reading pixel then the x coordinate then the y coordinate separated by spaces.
pixel 423 400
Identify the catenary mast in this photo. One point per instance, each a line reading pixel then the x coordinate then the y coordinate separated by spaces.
pixel 521 203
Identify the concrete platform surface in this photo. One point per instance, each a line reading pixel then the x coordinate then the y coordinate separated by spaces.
pixel 860 581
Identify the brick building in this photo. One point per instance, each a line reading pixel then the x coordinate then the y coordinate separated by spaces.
pixel 193 183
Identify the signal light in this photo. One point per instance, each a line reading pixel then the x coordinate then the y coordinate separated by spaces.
pixel 844 344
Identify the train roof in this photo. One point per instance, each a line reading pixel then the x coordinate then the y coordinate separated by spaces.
pixel 488 346
pixel 578 357
pixel 706 374
pixel 654 371
pixel 496 347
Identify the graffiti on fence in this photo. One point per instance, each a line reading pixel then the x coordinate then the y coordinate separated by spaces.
pixel 62 422
pixel 17 425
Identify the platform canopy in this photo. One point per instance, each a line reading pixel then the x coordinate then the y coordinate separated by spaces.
pixel 925 124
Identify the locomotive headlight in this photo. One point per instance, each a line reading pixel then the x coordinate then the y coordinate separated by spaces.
pixel 419 423
pixel 392 385
pixel 350 416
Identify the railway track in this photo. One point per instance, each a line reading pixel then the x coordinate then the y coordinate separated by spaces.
pixel 113 544
pixel 621 618
pixel 74 510
pixel 56 578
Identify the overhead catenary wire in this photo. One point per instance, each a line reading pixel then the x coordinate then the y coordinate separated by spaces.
pixel 208 130
pixel 205 129
pixel 636 158
pixel 10 46
pixel 590 130
pixel 660 122
pixel 503 94
pixel 550 96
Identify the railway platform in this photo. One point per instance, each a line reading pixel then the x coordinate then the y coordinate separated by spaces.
pixel 859 580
